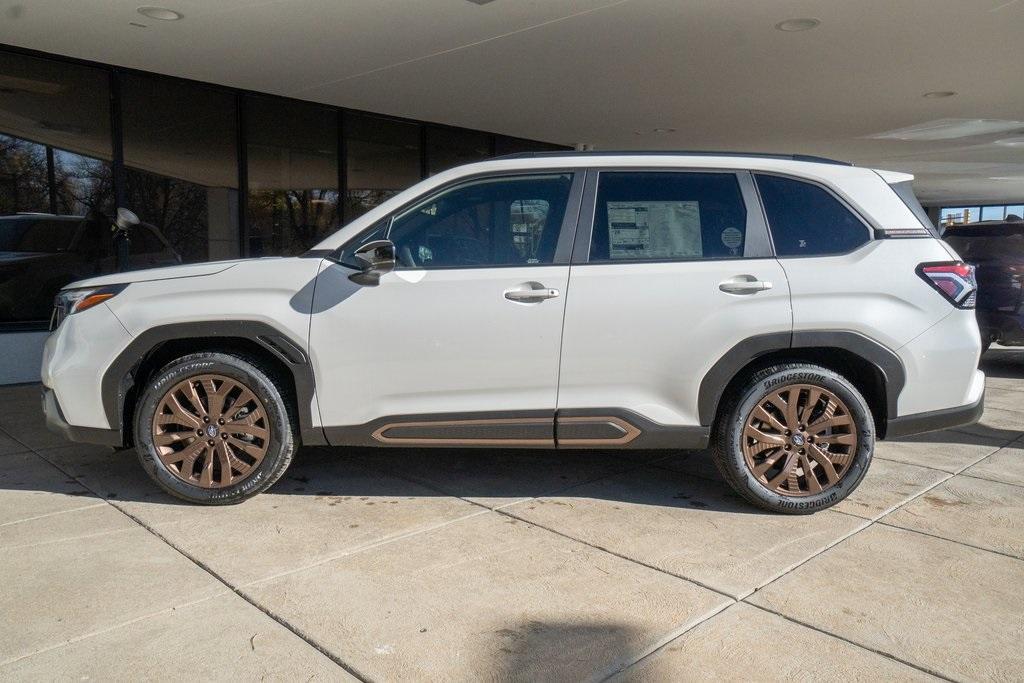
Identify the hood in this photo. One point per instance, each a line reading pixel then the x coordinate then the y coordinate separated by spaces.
pixel 165 273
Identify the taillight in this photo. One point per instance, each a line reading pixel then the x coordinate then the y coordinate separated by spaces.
pixel 952 279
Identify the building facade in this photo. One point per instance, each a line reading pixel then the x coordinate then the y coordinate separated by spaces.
pixel 212 172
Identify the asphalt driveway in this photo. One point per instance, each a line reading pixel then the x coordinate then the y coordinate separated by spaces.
pixel 529 565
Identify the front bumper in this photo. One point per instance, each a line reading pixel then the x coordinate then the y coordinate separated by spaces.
pixel 934 420
pixel 56 423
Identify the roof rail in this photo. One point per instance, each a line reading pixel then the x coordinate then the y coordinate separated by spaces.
pixel 670 153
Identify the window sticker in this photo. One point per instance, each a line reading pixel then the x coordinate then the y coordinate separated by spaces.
pixel 733 239
pixel 654 230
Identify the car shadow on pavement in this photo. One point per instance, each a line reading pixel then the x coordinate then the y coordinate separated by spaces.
pixel 489 477
pixel 496 477
pixel 991 436
pixel 1007 363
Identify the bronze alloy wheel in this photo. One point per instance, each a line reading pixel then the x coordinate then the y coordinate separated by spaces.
pixel 211 431
pixel 799 440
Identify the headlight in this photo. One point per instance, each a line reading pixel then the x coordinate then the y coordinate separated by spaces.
pixel 71 301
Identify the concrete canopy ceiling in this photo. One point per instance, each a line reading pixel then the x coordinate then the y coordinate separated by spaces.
pixel 618 74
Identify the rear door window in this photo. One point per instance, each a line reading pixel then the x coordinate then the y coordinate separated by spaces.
pixel 807 220
pixel 668 216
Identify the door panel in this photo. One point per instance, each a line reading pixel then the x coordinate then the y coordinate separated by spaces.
pixel 435 342
pixel 641 336
pixel 675 269
pixel 460 344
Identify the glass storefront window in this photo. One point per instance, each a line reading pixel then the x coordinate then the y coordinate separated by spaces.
pixel 383 159
pixel 506 145
pixel 180 174
pixel 956 215
pixel 992 213
pixel 55 161
pixel 292 154
pixel 181 167
pixel 450 147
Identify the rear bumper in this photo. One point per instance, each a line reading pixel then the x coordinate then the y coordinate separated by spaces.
pixel 935 420
pixel 56 423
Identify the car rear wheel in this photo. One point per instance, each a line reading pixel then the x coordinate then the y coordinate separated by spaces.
pixel 213 428
pixel 795 438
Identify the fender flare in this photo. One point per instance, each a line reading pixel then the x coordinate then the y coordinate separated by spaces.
pixel 119 378
pixel 712 387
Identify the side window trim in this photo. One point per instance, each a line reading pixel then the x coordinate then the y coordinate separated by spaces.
pixel 756 225
pixel 869 225
pixel 571 220
pixel 758 241
pixel 585 225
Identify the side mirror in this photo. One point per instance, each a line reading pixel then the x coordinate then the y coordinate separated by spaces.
pixel 126 219
pixel 375 258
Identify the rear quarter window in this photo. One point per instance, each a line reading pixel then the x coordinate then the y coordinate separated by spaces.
pixel 905 191
pixel 807 220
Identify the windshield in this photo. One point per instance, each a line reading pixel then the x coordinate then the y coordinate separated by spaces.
pixel 36 234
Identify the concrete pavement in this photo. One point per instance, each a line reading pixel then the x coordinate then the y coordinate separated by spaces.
pixel 515 565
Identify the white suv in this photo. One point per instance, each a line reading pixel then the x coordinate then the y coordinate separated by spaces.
pixel 789 311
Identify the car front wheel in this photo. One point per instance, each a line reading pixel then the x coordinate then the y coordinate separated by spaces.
pixel 213 428
pixel 795 438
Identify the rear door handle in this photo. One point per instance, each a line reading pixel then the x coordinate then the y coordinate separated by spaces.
pixel 744 284
pixel 530 291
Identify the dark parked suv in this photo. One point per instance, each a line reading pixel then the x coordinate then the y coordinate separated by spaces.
pixel 996 249
pixel 40 253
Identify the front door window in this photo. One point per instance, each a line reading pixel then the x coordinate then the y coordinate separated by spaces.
pixel 505 221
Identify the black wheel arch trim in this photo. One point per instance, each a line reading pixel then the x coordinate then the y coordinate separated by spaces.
pixel 934 420
pixel 715 381
pixel 119 378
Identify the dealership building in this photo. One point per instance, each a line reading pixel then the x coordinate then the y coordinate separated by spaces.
pixel 239 129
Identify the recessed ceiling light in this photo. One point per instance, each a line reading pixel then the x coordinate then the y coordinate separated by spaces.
pixel 938 94
pixel 793 25
pixel 160 13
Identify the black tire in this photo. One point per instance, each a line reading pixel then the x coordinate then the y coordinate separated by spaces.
pixel 280 418
pixel 985 343
pixel 729 434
